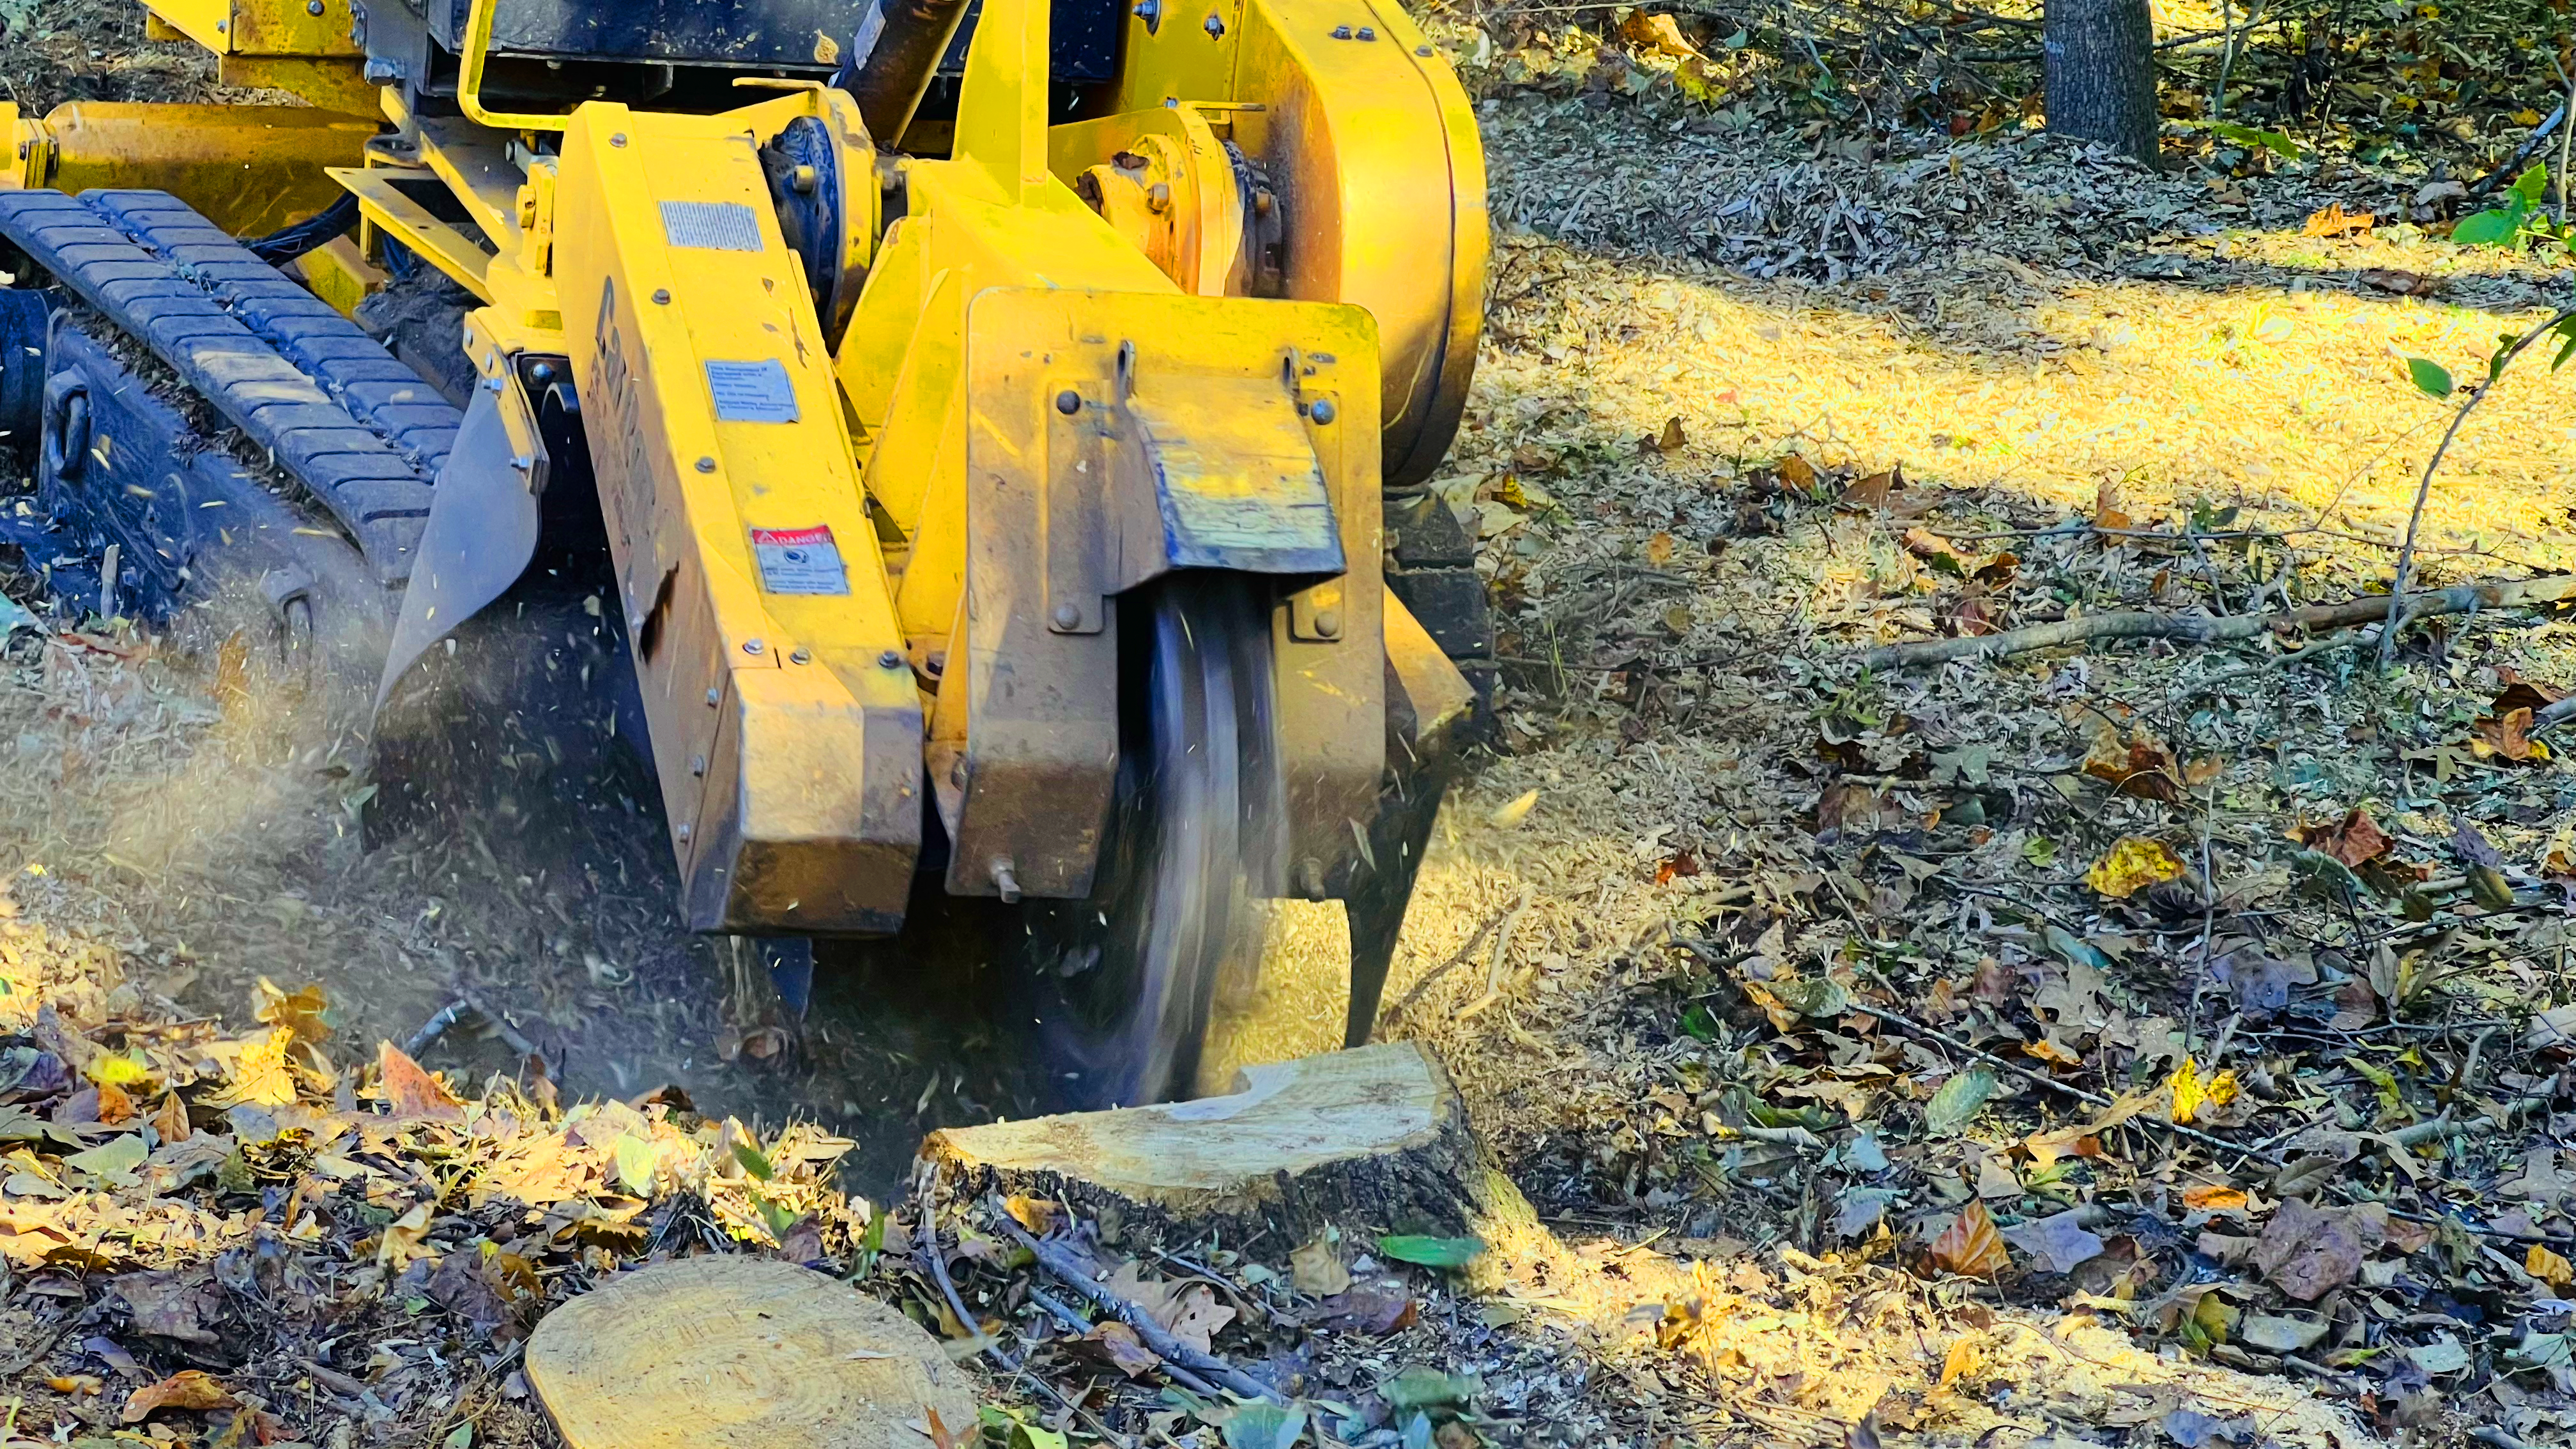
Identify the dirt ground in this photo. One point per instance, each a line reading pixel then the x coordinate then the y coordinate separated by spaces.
pixel 1754 398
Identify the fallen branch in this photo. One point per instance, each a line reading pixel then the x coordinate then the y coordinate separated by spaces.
pixel 1065 1268
pixel 2208 629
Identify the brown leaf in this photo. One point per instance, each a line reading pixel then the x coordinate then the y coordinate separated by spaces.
pixel 2401 283
pixel 113 1105
pixel 2508 735
pixel 1797 473
pixel 1117 1345
pixel 1317 1269
pixel 2106 506
pixel 2308 1252
pixel 1868 493
pixel 2140 765
pixel 1932 548
pixel 1971 1245
pixel 1033 1213
pixel 189 1389
pixel 2214 1197
pixel 171 1121
pixel 170 1305
pixel 2333 221
pixel 1671 440
pixel 300 1012
pixel 1365 1309
pixel 2353 840
pixel 410 1091
pixel 1659 550
pixel 1970 616
pixel 1200 1317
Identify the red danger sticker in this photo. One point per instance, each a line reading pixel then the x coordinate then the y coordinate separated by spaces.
pixel 799 561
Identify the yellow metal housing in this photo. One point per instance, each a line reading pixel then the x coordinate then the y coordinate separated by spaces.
pixel 248 169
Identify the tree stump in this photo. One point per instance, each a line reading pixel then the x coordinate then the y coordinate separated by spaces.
pixel 1373 1138
pixel 726 1352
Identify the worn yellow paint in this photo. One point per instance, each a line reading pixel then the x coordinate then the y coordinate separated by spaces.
pixel 331 83
pixel 248 169
pixel 263 27
pixel 338 273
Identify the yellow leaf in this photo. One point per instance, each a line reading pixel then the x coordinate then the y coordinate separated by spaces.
pixel 2131 866
pixel 1966 1357
pixel 2189 1096
pixel 2548 1267
pixel 1510 814
pixel 262 1079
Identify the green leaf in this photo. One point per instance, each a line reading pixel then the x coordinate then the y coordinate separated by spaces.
pixel 1429 1388
pixel 1431 1252
pixel 1811 995
pixel 2490 228
pixel 2430 377
pixel 460 1437
pixel 1012 1430
pixel 2532 185
pixel 752 1161
pixel 2276 142
pixel 1959 1101
pixel 1260 1425
pixel 113 1161
pixel 635 1162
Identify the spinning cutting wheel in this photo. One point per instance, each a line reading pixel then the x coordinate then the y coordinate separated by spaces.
pixel 1123 980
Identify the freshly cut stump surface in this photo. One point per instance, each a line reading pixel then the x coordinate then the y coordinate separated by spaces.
pixel 1375 1136
pixel 724 1352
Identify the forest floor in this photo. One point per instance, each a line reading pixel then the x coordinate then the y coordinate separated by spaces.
pixel 2137 1041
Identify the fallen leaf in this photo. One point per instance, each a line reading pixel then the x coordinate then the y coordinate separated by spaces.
pixel 1868 493
pixel 2051 1053
pixel 2060 1238
pixel 170 1122
pixel 1366 1309
pixel 1509 815
pixel 304 1012
pixel 1431 1252
pixel 1317 1269
pixel 2276 1333
pixel 1117 1345
pixel 2106 507
pixel 2354 840
pixel 2191 1095
pixel 262 1079
pixel 2333 221
pixel 2138 764
pixel 2214 1198
pixel 1958 1102
pixel 1796 472
pixel 2444 1355
pixel 2507 735
pixel 2548 1267
pixel 2132 865
pixel 2400 282
pixel 1964 1360
pixel 409 1091
pixel 1199 1316
pixel 113 1161
pixel 189 1389
pixel 2308 1252
pixel 1659 550
pixel 1655 34
pixel 1970 1245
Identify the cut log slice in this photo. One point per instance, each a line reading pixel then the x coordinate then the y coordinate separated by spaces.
pixel 741 1353
pixel 1374 1137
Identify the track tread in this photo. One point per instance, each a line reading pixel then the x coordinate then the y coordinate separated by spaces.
pixel 364 432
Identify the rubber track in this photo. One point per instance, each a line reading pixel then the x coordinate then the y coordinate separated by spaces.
pixel 364 433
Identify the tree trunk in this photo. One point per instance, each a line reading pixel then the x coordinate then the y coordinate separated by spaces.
pixel 2101 72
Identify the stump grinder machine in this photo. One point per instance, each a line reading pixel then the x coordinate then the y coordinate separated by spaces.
pixel 967 454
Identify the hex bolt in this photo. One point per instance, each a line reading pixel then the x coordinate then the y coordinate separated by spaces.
pixel 1328 623
pixel 1368 32
pixel 1322 411
pixel 1310 878
pixel 1149 11
pixel 312 7
pixel 1214 27
pixel 714 698
pixel 662 295
pixel 1068 402
pixel 800 655
pixel 706 465
pixel 1422 50
pixel 697 764
pixel 1341 32
pixel 752 646
pixel 1067 617
pixel 891 659
pixel 617 139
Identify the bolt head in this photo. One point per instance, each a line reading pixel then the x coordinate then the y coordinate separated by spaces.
pixel 891 659
pixel 706 465
pixel 684 830
pixel 1066 616
pixel 662 295
pixel 1328 623
pixel 312 7
pixel 1422 50
pixel 1068 402
pixel 697 764
pixel 800 655
pixel 1322 411
pixel 752 646
pixel 617 139
pixel 1368 32
pixel 714 698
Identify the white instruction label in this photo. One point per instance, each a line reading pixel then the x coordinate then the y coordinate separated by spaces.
pixel 799 560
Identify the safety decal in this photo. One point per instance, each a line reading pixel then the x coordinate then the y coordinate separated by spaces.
pixel 799 560
pixel 752 392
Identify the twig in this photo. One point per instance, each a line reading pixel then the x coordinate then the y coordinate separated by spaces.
pixel 926 1214
pixel 1051 1255
pixel 2424 487
pixel 2208 629
pixel 1457 958
pixel 2521 153
pixel 1073 1321
pixel 2041 1078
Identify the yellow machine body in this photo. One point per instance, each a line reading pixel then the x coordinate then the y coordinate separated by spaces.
pixel 1067 365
